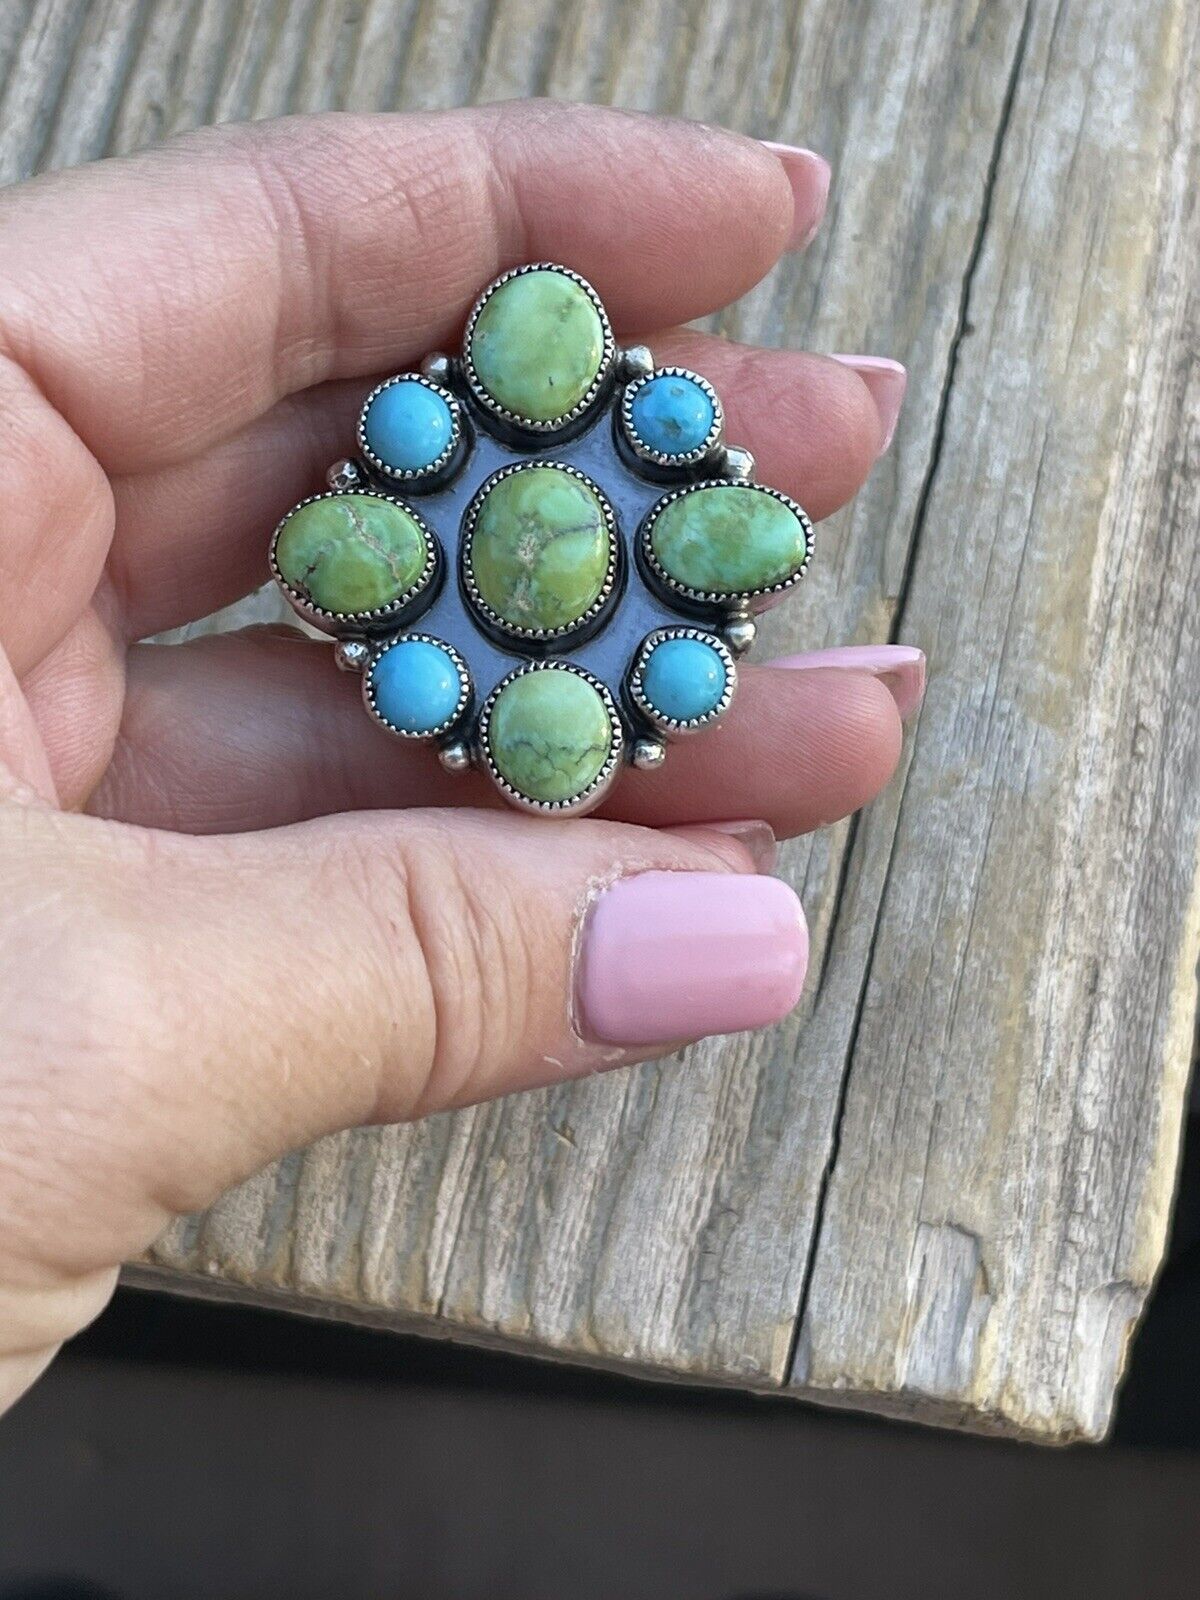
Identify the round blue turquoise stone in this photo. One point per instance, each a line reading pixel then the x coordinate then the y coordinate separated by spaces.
pixel 408 425
pixel 416 686
pixel 683 679
pixel 672 415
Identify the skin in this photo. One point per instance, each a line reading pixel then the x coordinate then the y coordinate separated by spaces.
pixel 215 943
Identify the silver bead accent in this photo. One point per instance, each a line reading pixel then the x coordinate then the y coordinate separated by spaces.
pixel 736 463
pixel 351 655
pixel 456 756
pixel 648 754
pixel 438 368
pixel 636 362
pixel 739 634
pixel 344 475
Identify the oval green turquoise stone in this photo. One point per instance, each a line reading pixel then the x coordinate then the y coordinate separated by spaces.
pixel 351 552
pixel 540 549
pixel 728 539
pixel 549 734
pixel 538 345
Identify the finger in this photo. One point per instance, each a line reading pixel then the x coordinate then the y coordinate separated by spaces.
pixel 811 422
pixel 58 521
pixel 24 771
pixel 76 696
pixel 210 1004
pixel 256 729
pixel 256 260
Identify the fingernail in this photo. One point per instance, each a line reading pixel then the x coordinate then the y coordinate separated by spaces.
pixel 900 666
pixel 887 381
pixel 670 956
pixel 757 837
pixel 809 175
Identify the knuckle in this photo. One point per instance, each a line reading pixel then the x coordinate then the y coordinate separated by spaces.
pixel 476 951
pixel 76 995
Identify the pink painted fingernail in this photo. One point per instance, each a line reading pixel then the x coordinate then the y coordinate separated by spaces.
pixel 887 381
pixel 809 175
pixel 900 666
pixel 681 955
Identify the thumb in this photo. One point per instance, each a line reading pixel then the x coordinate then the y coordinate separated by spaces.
pixel 207 1004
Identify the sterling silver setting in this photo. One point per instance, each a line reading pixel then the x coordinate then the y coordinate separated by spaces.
pixel 344 475
pixel 639 604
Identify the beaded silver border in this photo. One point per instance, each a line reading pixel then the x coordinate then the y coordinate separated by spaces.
pixel 600 783
pixel 465 686
pixel 660 458
pixel 723 597
pixel 415 476
pixel 678 727
pixel 513 418
pixel 466 542
pixel 356 621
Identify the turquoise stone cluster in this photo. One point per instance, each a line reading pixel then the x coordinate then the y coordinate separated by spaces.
pixel 543 557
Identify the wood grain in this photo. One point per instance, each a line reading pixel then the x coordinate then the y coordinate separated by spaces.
pixel 942 1189
pixel 1007 1145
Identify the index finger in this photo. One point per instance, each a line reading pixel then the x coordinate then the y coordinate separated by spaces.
pixel 162 301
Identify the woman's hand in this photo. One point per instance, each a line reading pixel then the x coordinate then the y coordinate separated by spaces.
pixel 232 952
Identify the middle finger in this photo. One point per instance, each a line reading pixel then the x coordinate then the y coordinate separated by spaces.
pixel 810 421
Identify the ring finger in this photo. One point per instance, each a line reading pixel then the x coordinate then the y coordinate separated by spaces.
pixel 255 729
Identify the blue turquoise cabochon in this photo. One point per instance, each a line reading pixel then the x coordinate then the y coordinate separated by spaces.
pixel 684 679
pixel 416 686
pixel 671 415
pixel 408 427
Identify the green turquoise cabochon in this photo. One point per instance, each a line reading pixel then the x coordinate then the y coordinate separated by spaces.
pixel 349 554
pixel 538 344
pixel 540 550
pixel 550 734
pixel 728 540
pixel 544 558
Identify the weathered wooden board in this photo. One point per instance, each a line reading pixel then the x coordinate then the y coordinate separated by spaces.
pixel 943 1188
pixel 1007 1145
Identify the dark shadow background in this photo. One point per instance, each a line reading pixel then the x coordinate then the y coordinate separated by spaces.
pixel 185 1450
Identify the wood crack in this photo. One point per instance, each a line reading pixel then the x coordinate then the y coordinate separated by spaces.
pixel 962 329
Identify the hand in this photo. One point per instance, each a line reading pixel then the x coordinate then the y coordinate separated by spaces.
pixel 212 947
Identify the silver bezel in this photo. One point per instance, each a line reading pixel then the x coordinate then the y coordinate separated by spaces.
pixel 465 687
pixel 493 407
pixel 466 544
pixel 415 476
pixel 677 727
pixel 596 790
pixel 736 598
pixel 357 621
pixel 659 458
